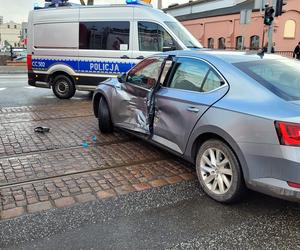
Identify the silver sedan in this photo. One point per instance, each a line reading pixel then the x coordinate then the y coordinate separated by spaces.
pixel 236 116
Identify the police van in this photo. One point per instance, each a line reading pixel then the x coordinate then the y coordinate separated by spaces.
pixel 75 47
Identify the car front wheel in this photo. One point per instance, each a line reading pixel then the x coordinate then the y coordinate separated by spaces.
pixel 104 118
pixel 219 172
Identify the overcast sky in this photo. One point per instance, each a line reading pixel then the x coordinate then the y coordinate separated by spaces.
pixel 17 10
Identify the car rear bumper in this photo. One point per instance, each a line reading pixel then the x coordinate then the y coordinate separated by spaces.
pixel 276 188
pixel 271 168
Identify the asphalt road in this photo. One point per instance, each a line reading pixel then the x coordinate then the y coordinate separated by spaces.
pixel 14 91
pixel 174 217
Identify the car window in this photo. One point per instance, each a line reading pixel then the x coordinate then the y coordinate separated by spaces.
pixel 146 73
pixel 213 81
pixel 153 37
pixel 189 74
pixel 280 76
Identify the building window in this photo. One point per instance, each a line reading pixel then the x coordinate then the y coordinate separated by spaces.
pixel 289 29
pixel 239 43
pixel 8 26
pixel 221 43
pixel 210 43
pixel 104 35
pixel 254 42
pixel 15 26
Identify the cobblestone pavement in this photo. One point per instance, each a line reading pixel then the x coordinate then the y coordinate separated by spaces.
pixel 42 171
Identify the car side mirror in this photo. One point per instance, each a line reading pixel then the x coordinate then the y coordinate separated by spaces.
pixel 122 78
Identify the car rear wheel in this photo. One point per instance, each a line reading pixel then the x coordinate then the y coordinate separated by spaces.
pixel 63 87
pixel 104 118
pixel 219 172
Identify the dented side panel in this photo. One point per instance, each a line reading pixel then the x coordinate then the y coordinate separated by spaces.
pixel 177 112
pixel 130 108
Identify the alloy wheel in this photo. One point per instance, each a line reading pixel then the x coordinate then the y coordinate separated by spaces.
pixel 216 171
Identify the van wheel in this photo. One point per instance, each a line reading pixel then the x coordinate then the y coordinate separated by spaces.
pixel 63 87
pixel 104 118
pixel 219 172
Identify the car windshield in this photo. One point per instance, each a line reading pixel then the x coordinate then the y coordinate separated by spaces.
pixel 282 77
pixel 184 36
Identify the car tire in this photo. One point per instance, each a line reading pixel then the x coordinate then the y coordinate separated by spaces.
pixel 219 172
pixel 104 118
pixel 63 87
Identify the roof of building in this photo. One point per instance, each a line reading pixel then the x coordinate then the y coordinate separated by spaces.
pixel 191 3
pixel 212 13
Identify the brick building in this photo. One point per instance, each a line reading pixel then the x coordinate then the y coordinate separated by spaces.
pixel 216 24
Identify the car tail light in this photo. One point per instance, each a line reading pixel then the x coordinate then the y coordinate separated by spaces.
pixel 288 133
pixel 294 185
pixel 29 62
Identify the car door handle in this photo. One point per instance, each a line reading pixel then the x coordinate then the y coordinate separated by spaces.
pixel 193 109
pixel 140 57
pixel 124 57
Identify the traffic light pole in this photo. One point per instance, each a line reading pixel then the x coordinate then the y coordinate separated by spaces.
pixel 270 31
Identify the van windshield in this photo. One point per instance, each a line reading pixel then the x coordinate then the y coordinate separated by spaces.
pixel 184 36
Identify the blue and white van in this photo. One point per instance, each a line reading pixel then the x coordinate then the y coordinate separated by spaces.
pixel 75 47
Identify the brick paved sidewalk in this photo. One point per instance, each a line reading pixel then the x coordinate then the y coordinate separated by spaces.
pixel 44 171
pixel 77 160
pixel 65 191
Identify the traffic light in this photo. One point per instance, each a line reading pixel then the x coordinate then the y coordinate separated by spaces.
pixel 268 18
pixel 279 7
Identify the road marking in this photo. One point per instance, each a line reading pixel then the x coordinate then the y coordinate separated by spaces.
pixel 29 87
pixel 2 89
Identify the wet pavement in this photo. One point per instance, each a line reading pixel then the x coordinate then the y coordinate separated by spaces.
pixel 75 188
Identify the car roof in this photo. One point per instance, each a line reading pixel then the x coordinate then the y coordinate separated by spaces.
pixel 229 56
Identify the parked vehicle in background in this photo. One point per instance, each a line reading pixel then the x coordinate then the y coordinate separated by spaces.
pixel 89 44
pixel 236 116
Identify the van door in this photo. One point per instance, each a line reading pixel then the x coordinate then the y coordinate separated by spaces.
pixel 152 38
pixel 105 41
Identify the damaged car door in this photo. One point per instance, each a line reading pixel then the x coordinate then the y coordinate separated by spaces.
pixel 193 86
pixel 132 98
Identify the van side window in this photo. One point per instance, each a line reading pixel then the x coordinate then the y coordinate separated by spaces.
pixel 104 35
pixel 153 37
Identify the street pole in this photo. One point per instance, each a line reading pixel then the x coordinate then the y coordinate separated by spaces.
pixel 159 4
pixel 271 30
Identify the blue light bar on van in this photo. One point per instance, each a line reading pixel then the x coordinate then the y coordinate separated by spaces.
pixel 133 2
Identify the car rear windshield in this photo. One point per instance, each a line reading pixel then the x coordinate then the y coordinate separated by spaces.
pixel 282 76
